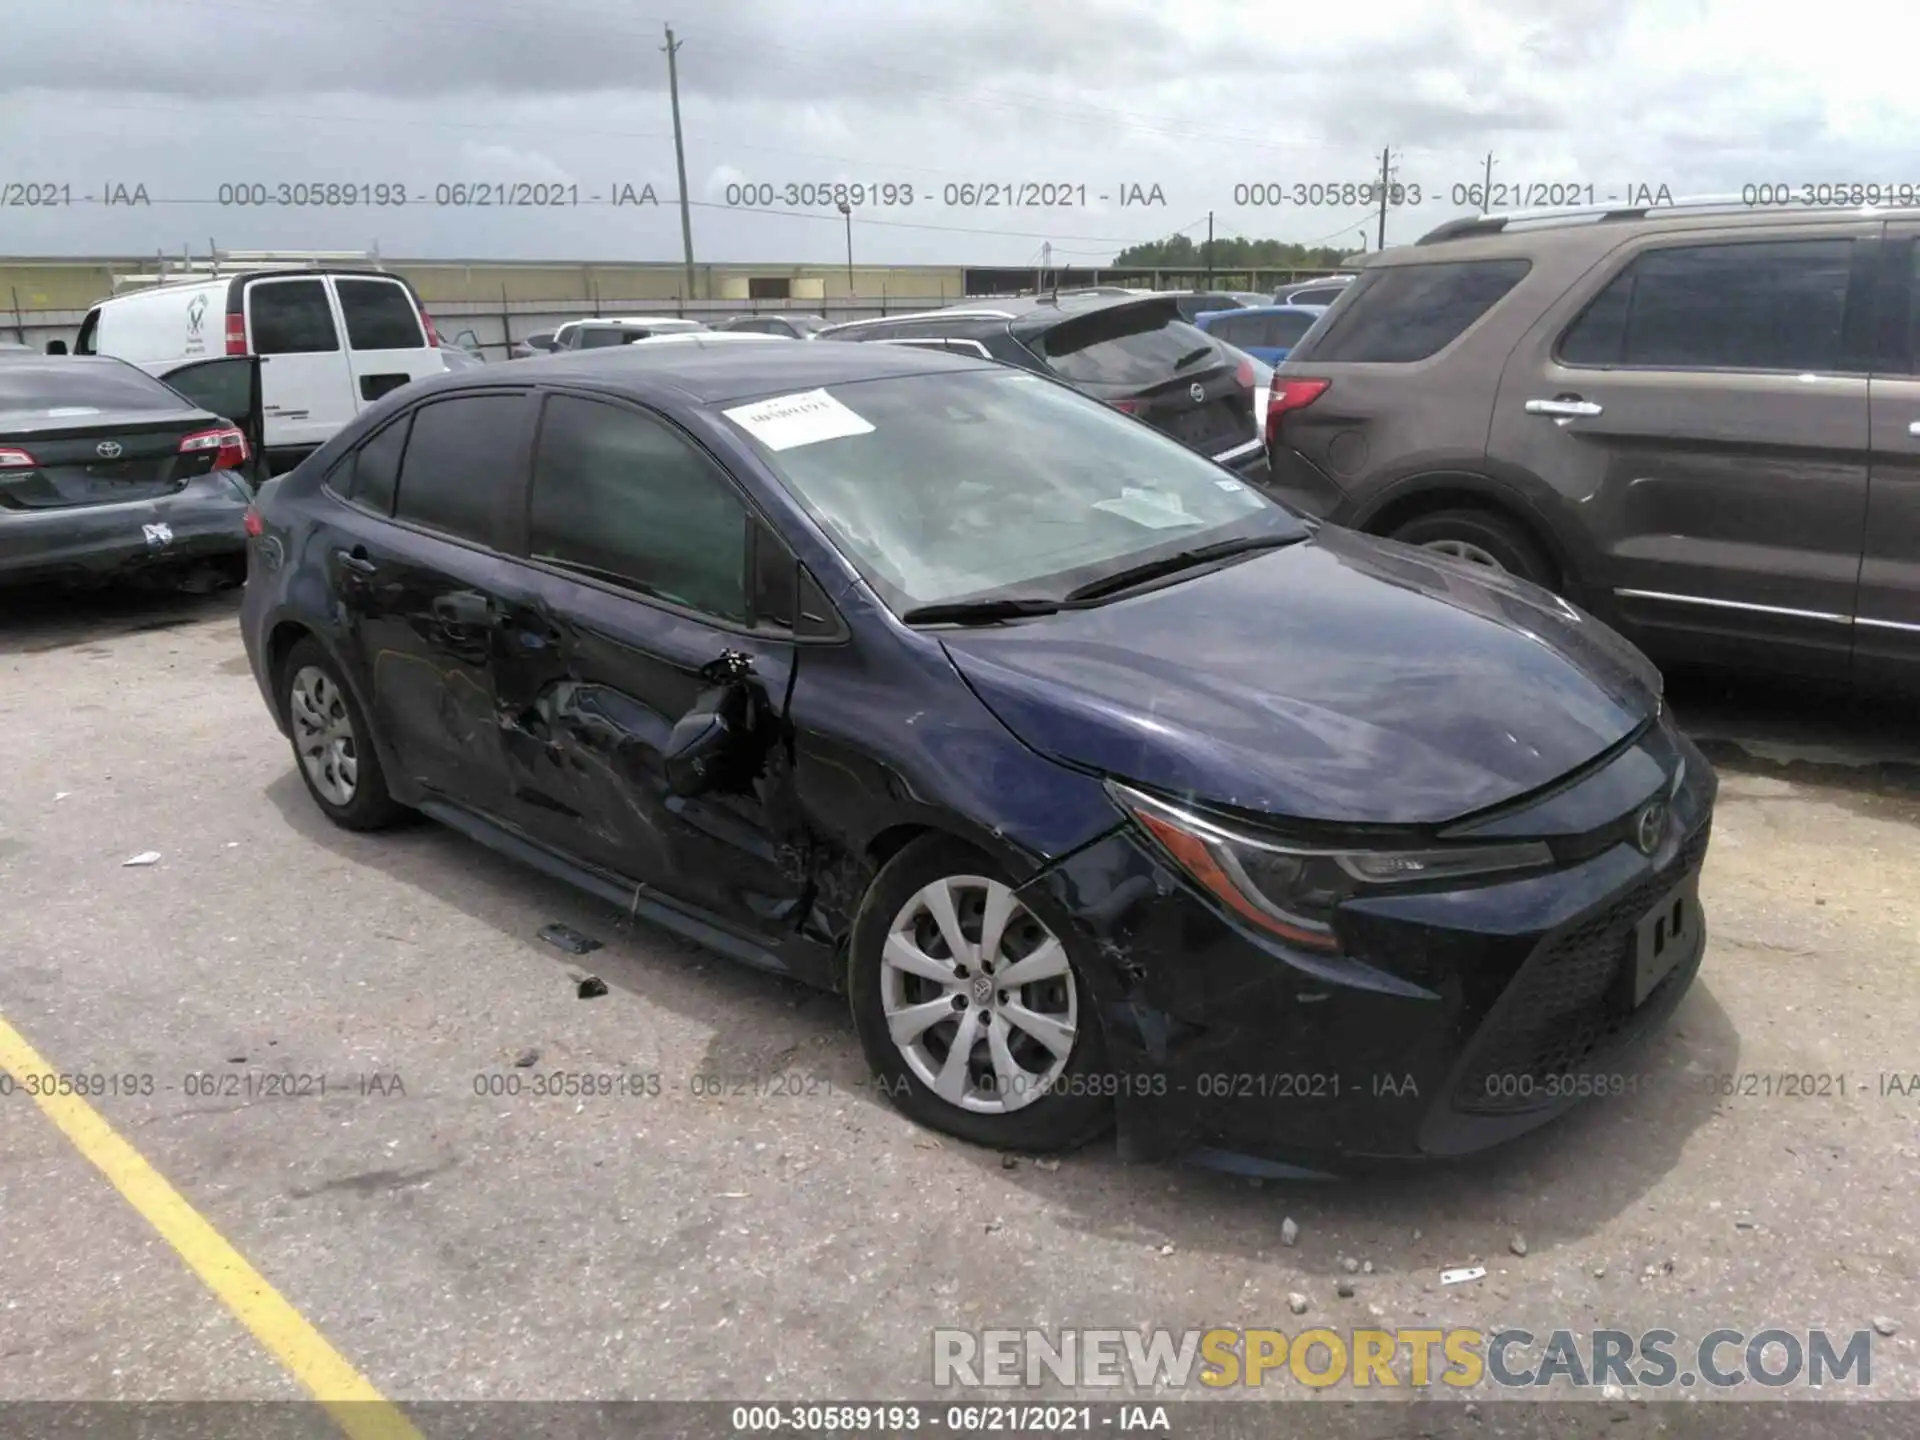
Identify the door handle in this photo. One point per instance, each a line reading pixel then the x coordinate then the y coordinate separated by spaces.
pixel 355 560
pixel 1562 409
pixel 464 607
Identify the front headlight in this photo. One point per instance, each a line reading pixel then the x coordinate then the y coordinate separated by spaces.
pixel 1292 890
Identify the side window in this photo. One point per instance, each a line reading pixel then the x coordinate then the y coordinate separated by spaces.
pixel 371 475
pixel 291 317
pixel 623 497
pixel 1403 313
pixel 1770 305
pixel 1283 332
pixel 380 315
pixel 462 458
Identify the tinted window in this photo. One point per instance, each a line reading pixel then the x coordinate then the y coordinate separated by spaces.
pixel 291 317
pixel 35 384
pixel 1237 329
pixel 1316 297
pixel 1283 332
pixel 1403 313
pixel 222 387
pixel 374 474
pixel 1768 306
pixel 541 341
pixel 1122 348
pixel 624 497
pixel 599 339
pixel 462 457
pixel 380 315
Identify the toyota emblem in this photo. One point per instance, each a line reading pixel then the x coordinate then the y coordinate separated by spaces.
pixel 1197 391
pixel 108 449
pixel 1650 826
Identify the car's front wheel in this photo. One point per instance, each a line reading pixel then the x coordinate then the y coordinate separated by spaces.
pixel 332 743
pixel 971 1007
pixel 1479 538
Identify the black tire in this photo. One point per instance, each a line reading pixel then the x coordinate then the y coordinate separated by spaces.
pixel 1494 535
pixel 371 806
pixel 1073 1110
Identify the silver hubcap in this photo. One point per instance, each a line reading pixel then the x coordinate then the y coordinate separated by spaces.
pixel 1463 550
pixel 323 734
pixel 978 995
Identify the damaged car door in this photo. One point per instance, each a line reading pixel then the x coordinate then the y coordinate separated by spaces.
pixel 643 710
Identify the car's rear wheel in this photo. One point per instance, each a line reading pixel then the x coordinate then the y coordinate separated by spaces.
pixel 332 744
pixel 1479 538
pixel 971 1007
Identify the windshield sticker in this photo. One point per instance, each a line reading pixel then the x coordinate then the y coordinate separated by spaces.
pixel 804 419
pixel 1155 509
pixel 74 410
pixel 1229 485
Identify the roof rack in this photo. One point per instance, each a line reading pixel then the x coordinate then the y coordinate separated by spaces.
pixel 954 314
pixel 1496 223
pixel 215 263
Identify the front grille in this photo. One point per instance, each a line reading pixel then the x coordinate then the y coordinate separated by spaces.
pixel 1570 1007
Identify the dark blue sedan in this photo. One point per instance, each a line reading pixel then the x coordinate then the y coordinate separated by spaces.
pixel 1104 786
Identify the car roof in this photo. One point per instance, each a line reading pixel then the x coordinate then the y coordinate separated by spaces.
pixel 708 369
pixel 1598 230
pixel 1025 313
pixel 1314 310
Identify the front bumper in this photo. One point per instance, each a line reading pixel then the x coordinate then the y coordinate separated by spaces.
pixel 1454 1021
pixel 204 521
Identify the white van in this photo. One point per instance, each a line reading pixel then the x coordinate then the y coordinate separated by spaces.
pixel 311 384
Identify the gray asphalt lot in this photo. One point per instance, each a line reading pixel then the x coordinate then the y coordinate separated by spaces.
pixel 788 1234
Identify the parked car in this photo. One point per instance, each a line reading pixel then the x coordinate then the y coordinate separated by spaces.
pixel 1194 303
pixel 1084 770
pixel 587 334
pixel 787 324
pixel 1133 351
pixel 539 343
pixel 1695 422
pixel 457 357
pixel 1262 375
pixel 1323 291
pixel 14 347
pixel 107 471
pixel 1268 332
pixel 317 380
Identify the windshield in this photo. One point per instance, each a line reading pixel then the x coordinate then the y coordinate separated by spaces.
pixel 975 484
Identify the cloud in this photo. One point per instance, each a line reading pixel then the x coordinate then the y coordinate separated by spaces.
pixel 947 100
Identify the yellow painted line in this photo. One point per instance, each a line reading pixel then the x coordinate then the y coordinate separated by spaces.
pixel 349 1397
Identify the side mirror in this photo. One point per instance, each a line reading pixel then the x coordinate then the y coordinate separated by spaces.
pixel 56 347
pixel 704 741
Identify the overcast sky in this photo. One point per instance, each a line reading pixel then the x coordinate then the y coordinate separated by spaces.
pixel 1196 98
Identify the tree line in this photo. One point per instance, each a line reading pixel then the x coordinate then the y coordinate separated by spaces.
pixel 1182 252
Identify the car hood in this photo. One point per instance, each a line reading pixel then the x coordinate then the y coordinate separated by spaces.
pixel 1342 679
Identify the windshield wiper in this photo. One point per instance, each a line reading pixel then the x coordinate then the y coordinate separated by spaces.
pixel 1172 564
pixel 980 612
pixel 1185 360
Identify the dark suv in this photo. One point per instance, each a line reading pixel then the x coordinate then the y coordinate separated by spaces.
pixel 1702 423
pixel 1135 352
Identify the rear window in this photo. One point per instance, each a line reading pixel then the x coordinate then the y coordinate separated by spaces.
pixel 1123 348
pixel 1402 313
pixel 380 315
pixel 594 339
pixel 83 385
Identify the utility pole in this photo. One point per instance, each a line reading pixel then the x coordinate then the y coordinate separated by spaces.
pixel 847 210
pixel 1486 189
pixel 1209 284
pixel 1386 179
pixel 680 156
